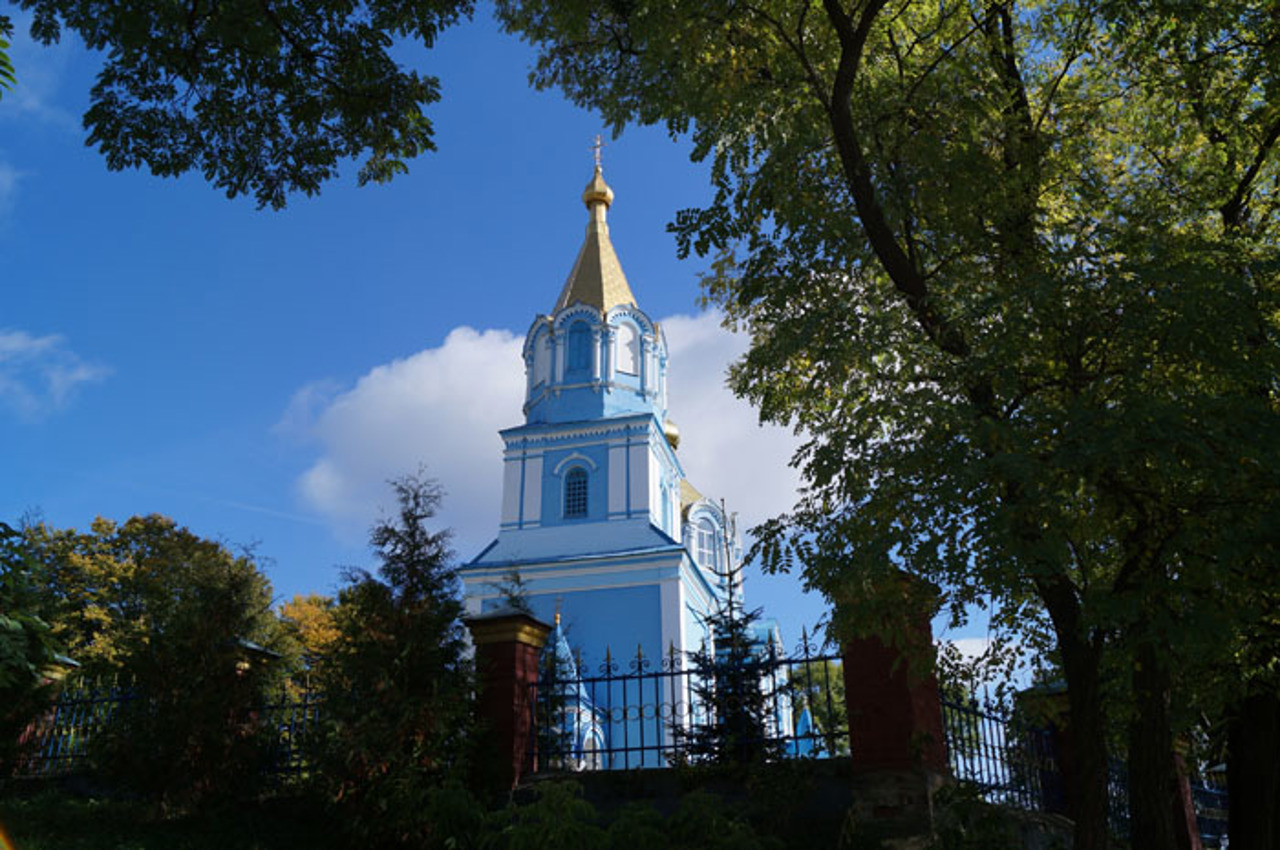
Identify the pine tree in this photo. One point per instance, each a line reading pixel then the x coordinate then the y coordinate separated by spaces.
pixel 397 687
pixel 734 693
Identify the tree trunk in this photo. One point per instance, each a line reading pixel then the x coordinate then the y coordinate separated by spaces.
pixel 1253 772
pixel 1085 764
pixel 1153 785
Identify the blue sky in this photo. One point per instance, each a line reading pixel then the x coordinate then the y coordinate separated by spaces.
pixel 257 375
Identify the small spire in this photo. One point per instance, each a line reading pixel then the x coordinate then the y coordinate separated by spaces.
pixel 596 278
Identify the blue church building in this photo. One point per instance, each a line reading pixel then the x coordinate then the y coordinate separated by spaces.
pixel 597 515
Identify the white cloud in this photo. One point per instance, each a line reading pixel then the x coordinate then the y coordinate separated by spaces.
pixel 40 375
pixel 971 648
pixel 724 450
pixel 440 408
pixel 443 407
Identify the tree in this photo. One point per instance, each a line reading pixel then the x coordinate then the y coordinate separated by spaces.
pixel 735 686
pixel 312 622
pixel 396 684
pixel 262 98
pixel 28 652
pixel 1013 269
pixel 187 625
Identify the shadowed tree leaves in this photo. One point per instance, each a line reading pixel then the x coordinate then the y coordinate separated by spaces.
pixel 262 97
pixel 187 626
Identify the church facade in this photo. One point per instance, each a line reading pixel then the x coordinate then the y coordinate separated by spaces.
pixel 597 516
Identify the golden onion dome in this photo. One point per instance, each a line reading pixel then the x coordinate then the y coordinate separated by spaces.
pixel 597 190
pixel 673 433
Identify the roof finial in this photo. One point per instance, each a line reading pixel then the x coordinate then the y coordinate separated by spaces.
pixel 597 191
pixel 596 148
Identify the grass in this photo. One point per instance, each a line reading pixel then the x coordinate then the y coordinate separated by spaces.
pixel 59 821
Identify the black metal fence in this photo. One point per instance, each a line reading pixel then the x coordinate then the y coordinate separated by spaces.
pixel 57 742
pixel 1010 761
pixel 1014 762
pixel 647 715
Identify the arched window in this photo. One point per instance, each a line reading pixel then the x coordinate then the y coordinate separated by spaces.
pixel 575 493
pixel 579 348
pixel 708 547
pixel 628 349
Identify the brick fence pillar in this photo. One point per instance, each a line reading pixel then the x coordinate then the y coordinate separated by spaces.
pixel 508 644
pixel 891 692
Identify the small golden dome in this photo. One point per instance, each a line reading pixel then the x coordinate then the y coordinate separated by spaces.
pixel 673 433
pixel 597 190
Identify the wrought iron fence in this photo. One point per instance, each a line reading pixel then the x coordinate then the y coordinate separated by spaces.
pixel 57 742
pixel 1013 762
pixel 647 715
pixel 289 717
pixel 1010 761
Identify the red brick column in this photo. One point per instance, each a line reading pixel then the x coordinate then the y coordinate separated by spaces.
pixel 895 714
pixel 508 644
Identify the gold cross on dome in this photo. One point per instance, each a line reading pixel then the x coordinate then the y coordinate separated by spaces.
pixel 596 148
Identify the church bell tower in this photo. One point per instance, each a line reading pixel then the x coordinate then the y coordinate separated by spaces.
pixel 596 516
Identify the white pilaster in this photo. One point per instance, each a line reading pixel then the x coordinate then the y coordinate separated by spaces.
pixel 617 479
pixel 532 499
pixel 640 475
pixel 511 490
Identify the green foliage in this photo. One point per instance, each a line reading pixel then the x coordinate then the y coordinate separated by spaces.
pixel 558 818
pixel 191 620
pixel 513 590
pixel 734 690
pixel 261 98
pixel 397 688
pixel 1013 268
pixel 28 652
pixel 53 821
pixel 186 624
pixel 7 77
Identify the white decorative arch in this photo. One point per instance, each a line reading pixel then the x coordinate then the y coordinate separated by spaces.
pixel 584 312
pixel 539 324
pixel 575 459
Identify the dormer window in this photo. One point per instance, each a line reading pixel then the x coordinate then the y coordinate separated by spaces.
pixel 575 493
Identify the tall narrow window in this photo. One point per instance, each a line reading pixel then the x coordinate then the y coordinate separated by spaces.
pixel 575 493
pixel 579 348
pixel 708 548
pixel 628 349
pixel 541 360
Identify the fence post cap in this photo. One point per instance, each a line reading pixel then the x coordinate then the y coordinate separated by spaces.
pixel 507 625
